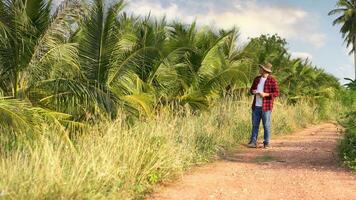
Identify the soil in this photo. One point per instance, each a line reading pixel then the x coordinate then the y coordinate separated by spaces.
pixel 304 165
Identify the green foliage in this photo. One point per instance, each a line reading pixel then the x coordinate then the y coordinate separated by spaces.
pixel 89 58
pixel 115 161
pixel 34 43
pixel 346 11
pixel 22 124
pixel 351 85
pixel 347 147
pixel 89 61
pixel 298 79
pixel 347 18
pixel 153 92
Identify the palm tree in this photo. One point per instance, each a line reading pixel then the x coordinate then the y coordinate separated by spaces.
pixel 34 48
pixel 82 58
pixel 39 58
pixel 116 53
pixel 34 43
pixel 347 18
pixel 199 65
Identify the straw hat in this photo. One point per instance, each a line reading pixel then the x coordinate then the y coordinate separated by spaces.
pixel 267 67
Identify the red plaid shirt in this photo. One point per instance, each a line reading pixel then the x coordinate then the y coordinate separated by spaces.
pixel 271 87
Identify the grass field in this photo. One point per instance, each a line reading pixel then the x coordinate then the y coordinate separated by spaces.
pixel 115 161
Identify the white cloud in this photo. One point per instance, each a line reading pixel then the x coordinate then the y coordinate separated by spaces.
pixel 251 17
pixel 172 12
pixel 302 55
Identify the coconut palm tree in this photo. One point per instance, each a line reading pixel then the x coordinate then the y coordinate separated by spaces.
pixel 199 64
pixel 347 11
pixel 116 53
pixel 39 59
pixel 89 57
pixel 34 43
pixel 34 47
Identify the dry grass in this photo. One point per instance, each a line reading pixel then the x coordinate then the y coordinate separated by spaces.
pixel 114 161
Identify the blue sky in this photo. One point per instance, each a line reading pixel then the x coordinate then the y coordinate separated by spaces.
pixel 304 23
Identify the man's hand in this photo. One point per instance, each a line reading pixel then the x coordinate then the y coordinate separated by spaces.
pixel 263 94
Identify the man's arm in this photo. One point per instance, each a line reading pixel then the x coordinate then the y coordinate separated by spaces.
pixel 275 89
pixel 253 86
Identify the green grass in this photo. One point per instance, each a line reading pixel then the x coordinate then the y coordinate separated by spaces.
pixel 347 146
pixel 115 161
pixel 347 149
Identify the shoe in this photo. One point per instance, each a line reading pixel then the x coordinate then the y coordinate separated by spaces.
pixel 266 146
pixel 252 145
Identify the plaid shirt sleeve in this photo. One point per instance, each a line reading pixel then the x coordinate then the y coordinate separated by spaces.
pixel 274 88
pixel 271 87
pixel 254 84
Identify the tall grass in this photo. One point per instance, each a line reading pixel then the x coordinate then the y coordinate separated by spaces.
pixel 115 161
pixel 347 146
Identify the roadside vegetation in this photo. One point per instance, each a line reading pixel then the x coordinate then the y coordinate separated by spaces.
pixel 346 18
pixel 98 104
pixel 347 146
pixel 114 160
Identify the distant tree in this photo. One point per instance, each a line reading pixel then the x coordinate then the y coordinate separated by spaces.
pixel 266 48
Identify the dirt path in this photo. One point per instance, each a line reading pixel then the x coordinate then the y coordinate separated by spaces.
pixel 300 166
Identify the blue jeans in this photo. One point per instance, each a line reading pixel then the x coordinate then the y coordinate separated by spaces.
pixel 257 115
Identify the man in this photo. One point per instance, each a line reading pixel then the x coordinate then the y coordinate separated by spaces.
pixel 265 89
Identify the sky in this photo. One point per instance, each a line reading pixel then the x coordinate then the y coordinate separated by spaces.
pixel 305 25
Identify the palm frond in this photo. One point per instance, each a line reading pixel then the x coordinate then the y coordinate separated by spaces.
pixel 22 118
pixel 52 47
pixel 39 12
pixel 98 41
pixel 73 96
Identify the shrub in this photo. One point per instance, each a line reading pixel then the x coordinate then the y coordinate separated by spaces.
pixel 347 147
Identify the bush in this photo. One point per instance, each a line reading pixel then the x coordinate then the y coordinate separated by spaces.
pixel 347 147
